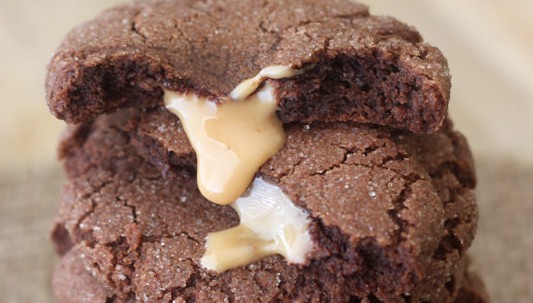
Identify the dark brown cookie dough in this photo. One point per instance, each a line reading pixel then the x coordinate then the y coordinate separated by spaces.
pixel 393 214
pixel 362 68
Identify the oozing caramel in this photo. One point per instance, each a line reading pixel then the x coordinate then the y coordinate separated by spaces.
pixel 232 139
pixel 248 86
pixel 270 224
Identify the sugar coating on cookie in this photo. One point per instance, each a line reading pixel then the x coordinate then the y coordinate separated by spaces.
pixel 72 283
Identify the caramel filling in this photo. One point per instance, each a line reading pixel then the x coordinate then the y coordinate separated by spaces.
pixel 233 139
pixel 248 86
pixel 270 224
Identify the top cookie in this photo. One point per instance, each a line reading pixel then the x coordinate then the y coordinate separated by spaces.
pixel 358 67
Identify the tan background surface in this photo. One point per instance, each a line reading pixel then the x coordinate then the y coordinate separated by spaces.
pixel 489 44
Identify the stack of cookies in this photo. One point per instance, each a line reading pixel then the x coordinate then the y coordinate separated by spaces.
pixel 258 151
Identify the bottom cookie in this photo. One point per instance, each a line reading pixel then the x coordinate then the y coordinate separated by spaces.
pixel 392 216
pixel 73 283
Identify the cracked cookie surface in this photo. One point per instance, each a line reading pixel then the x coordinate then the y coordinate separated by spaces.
pixel 74 284
pixel 361 68
pixel 393 214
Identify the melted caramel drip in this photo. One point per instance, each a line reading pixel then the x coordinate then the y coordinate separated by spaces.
pixel 270 224
pixel 232 139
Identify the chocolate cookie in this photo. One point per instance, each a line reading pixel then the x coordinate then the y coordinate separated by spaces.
pixel 473 290
pixel 393 214
pixel 357 67
pixel 74 284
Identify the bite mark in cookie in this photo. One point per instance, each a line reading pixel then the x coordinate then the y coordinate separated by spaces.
pixel 367 68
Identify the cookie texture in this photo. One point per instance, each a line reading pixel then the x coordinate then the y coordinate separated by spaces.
pixel 393 214
pixel 70 275
pixel 72 283
pixel 473 290
pixel 359 68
